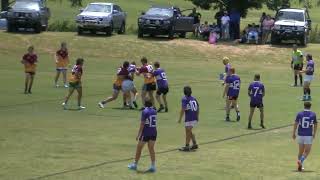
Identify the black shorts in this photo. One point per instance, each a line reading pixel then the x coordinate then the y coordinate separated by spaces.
pixel 147 138
pixel 256 105
pixel 298 67
pixel 149 87
pixel 233 98
pixel 163 91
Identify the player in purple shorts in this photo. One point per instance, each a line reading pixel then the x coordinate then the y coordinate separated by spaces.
pixel 163 88
pixel 256 93
pixel 147 134
pixel 309 71
pixel 306 123
pixel 232 89
pixel 190 108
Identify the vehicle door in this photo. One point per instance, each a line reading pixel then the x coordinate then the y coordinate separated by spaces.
pixel 122 16
pixel 182 23
pixel 116 16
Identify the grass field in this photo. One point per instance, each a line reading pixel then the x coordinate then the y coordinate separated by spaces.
pixel 39 138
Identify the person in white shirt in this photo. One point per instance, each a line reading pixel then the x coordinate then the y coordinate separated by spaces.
pixel 225 19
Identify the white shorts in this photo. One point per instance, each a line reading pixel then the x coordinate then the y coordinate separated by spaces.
pixel 308 78
pixel 305 139
pixel 127 86
pixel 191 123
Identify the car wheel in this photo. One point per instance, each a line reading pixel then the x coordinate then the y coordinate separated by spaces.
pixel 80 31
pixel 93 31
pixel 140 33
pixel 275 40
pixel 37 28
pixel 171 34
pixel 45 27
pixel 11 27
pixel 182 35
pixel 109 30
pixel 122 29
pixel 304 40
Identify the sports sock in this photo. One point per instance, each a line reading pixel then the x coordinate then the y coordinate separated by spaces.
pixel 304 91
pixel 302 158
pixel 309 91
pixel 295 79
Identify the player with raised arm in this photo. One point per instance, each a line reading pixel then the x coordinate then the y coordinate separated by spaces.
pixel 62 62
pixel 149 85
pixel 29 60
pixel 122 73
pixel 190 109
pixel 147 134
pixel 227 67
pixel 309 71
pixel 256 93
pixel 163 87
pixel 232 90
pixel 75 83
pixel 297 64
pixel 306 123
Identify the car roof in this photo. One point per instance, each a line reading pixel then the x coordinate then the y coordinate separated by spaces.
pixel 293 10
pixel 103 3
pixel 163 7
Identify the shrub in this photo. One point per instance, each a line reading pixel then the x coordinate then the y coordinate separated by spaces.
pixel 315 35
pixel 62 26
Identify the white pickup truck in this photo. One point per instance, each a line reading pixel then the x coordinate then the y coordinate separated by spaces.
pixel 291 24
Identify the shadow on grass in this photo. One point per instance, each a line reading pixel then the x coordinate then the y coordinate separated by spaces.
pixel 304 171
pixel 121 108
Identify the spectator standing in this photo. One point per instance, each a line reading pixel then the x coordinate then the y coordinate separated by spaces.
pixel 225 22
pixel 196 21
pixel 218 17
pixel 267 25
pixel 262 18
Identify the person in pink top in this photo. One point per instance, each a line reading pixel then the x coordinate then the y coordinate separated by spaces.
pixel 267 26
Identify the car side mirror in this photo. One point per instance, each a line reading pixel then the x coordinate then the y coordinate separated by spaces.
pixel 81 10
pixel 309 21
pixel 143 13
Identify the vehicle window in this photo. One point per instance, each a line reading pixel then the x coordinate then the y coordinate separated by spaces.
pixel 160 12
pixel 98 8
pixel 287 15
pixel 26 5
pixel 118 8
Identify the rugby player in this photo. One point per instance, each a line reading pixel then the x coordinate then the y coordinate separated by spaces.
pixel 256 93
pixel 227 67
pixel 75 83
pixel 147 134
pixel 149 81
pixel 232 89
pixel 163 88
pixel 122 73
pixel 29 60
pixel 308 78
pixel 297 64
pixel 190 108
pixel 306 123
pixel 62 62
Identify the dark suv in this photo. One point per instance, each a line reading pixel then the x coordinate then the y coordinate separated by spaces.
pixel 28 14
pixel 164 21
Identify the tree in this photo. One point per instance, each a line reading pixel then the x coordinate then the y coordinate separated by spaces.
pixel 241 5
pixel 275 5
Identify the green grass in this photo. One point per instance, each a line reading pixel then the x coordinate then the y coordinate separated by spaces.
pixel 37 137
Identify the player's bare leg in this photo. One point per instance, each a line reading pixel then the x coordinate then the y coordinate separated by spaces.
pixel 56 78
pixel 188 131
pixel 262 117
pixel 150 94
pixel 26 83
pixel 301 151
pixel 236 107
pixel 159 101
pixel 64 104
pixel 250 117
pixel 109 99
pixel 165 102
pixel 30 83
pixel 306 91
pixel 194 141
pixel 152 156
pixel 139 148
pixel 79 90
pixel 228 103
pixel 64 75
pixel 134 99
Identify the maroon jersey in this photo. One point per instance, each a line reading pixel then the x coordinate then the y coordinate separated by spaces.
pixel 62 53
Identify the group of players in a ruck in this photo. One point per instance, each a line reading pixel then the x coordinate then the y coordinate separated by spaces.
pixel 155 79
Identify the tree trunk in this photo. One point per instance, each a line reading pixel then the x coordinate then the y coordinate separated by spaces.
pixel 4 5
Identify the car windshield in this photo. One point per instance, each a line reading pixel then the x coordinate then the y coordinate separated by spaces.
pixel 98 8
pixel 160 12
pixel 26 5
pixel 287 15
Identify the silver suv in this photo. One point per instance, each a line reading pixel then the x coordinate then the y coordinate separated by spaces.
pixel 28 14
pixel 103 17
pixel 291 24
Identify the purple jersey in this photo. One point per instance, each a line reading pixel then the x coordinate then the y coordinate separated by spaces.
pixel 234 85
pixel 227 68
pixel 306 120
pixel 256 91
pixel 310 67
pixel 191 107
pixel 149 118
pixel 161 77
